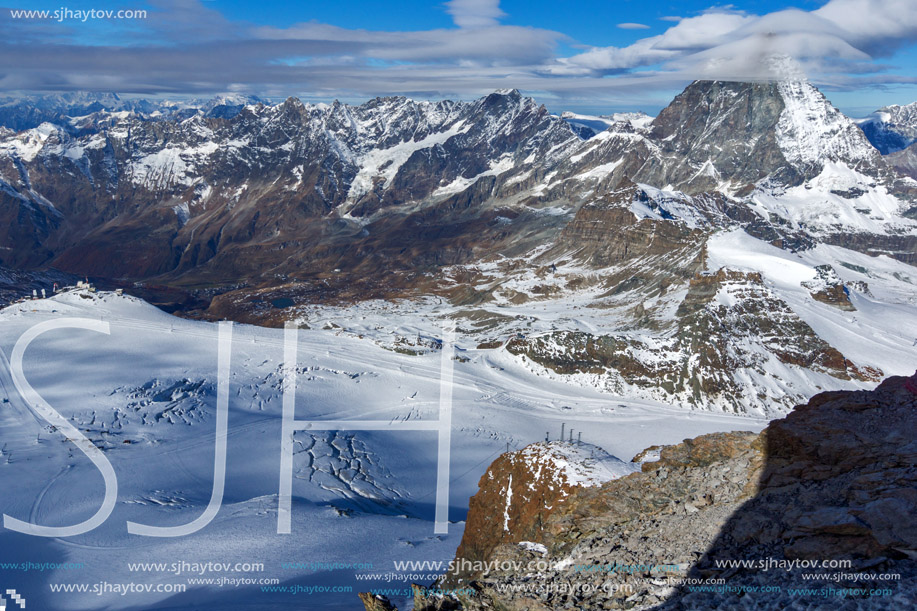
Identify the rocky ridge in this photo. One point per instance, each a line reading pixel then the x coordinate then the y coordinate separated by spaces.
pixel 727 321
pixel 905 161
pixel 215 198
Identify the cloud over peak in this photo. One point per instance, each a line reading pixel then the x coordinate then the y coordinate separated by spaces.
pixel 839 38
pixel 187 46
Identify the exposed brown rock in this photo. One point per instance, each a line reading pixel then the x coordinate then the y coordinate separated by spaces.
pixel 516 496
pixel 828 288
pixel 605 232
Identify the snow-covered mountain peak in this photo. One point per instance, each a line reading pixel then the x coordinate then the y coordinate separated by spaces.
pixel 587 126
pixel 28 144
pixel 896 113
pixel 233 98
pixel 811 131
pixel 754 133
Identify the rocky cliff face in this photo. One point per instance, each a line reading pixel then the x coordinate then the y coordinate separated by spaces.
pixel 833 482
pixel 720 132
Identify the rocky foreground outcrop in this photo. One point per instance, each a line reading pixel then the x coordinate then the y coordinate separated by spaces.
pixel 816 512
pixel 522 489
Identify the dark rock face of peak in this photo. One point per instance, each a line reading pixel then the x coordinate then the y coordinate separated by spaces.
pixel 723 131
pixel 905 162
pixel 724 108
pixel 509 94
pixel 732 136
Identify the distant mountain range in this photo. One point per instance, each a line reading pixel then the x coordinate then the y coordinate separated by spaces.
pixel 892 128
pixel 239 206
pixel 20 113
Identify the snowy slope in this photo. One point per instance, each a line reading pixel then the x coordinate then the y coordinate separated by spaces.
pixel 881 331
pixel 839 199
pixel 145 395
pixel 577 464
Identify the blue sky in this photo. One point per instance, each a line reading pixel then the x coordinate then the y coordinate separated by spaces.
pixel 589 56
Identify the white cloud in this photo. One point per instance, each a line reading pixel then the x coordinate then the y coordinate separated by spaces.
pixel 841 37
pixel 490 45
pixel 633 26
pixel 702 31
pixel 878 27
pixel 475 13
pixel 613 59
